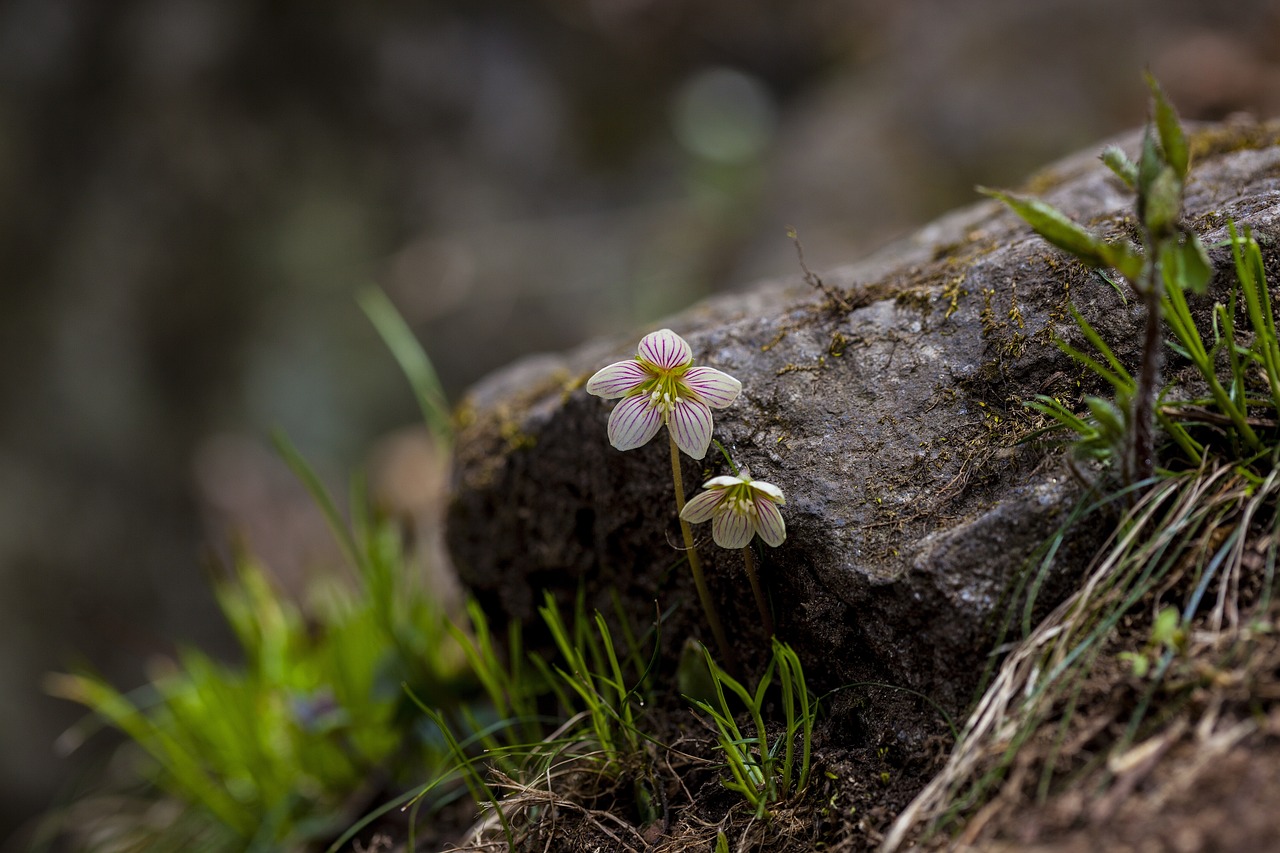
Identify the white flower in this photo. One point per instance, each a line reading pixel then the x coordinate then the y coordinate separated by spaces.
pixel 739 508
pixel 661 386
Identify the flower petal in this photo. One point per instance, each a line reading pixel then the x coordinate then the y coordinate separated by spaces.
pixel 731 530
pixel 690 424
pixel 617 380
pixel 666 349
pixel 770 490
pixel 634 421
pixel 702 507
pixel 716 388
pixel 724 481
pixel 769 523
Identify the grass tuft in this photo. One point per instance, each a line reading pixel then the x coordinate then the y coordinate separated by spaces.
pixel 763 773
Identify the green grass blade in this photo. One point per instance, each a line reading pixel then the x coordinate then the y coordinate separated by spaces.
pixel 165 749
pixel 1252 279
pixel 1092 336
pixel 465 767
pixel 413 361
pixel 1176 151
pixel 304 472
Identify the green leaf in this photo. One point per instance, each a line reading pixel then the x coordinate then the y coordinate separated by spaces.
pixel 1172 139
pixel 1167 630
pixel 1137 662
pixel 1107 415
pixel 303 471
pixel 1149 165
pixel 1163 202
pixel 1118 376
pixel 1119 162
pixel 1054 226
pixel 413 361
pixel 1054 408
pixel 1120 255
pixel 1185 265
pixel 1118 381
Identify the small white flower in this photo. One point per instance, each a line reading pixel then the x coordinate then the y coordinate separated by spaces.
pixel 661 386
pixel 739 508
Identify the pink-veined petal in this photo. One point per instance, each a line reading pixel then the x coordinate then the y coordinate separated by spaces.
pixel 690 423
pixel 769 489
pixel 617 380
pixel 716 388
pixel 769 523
pixel 702 507
pixel 731 530
pixel 722 482
pixel 665 349
pixel 634 421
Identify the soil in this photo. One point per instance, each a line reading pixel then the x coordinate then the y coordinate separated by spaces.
pixel 1226 804
pixel 1206 779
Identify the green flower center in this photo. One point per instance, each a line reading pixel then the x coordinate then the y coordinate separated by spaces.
pixel 666 389
pixel 740 500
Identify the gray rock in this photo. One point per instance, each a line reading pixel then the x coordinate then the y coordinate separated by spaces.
pixel 890 415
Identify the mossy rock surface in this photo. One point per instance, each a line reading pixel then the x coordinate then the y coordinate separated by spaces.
pixel 888 410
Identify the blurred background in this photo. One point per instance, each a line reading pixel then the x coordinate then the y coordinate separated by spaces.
pixel 192 191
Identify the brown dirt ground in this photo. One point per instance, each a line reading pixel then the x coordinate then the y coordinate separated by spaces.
pixel 1205 777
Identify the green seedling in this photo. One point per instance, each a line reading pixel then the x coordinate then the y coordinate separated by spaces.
pixel 600 690
pixel 764 773
pixel 1170 260
pixel 1167 634
pixel 593 671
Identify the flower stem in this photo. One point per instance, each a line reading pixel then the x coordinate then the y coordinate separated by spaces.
pixel 695 565
pixel 1141 460
pixel 753 574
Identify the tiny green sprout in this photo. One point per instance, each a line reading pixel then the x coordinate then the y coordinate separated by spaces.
pixel 1169 261
pixel 1166 634
pixel 661 386
pixel 1167 631
pixel 1119 162
pixel 693 678
pixel 763 772
pixel 1138 663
